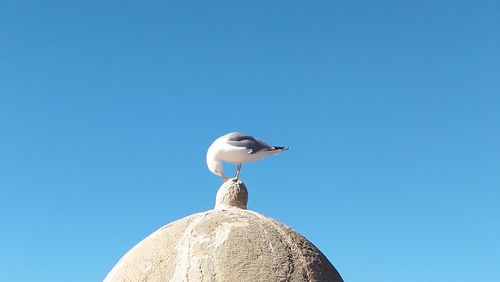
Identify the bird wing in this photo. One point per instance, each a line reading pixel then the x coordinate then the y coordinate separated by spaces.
pixel 249 142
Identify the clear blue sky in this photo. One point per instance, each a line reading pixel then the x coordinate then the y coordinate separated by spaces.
pixel 391 110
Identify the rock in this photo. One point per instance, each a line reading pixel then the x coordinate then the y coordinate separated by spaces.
pixel 228 243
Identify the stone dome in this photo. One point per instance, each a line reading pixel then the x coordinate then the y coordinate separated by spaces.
pixel 228 243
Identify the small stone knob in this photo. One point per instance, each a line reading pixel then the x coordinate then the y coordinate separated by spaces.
pixel 232 194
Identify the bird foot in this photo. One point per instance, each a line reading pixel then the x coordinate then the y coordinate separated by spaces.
pixel 233 179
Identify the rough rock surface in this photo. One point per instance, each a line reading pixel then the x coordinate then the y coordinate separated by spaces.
pixel 232 194
pixel 225 244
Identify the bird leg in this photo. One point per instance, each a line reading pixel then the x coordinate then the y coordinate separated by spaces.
pixel 225 178
pixel 238 169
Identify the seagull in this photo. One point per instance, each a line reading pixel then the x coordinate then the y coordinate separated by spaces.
pixel 237 148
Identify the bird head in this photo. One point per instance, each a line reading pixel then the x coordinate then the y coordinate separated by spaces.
pixel 215 166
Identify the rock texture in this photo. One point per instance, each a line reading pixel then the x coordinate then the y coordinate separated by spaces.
pixel 228 243
pixel 232 194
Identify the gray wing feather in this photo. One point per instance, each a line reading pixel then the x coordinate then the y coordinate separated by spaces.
pixel 249 142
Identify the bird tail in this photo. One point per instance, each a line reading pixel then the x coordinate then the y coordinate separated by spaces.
pixel 276 148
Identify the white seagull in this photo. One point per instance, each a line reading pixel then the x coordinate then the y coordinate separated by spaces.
pixel 237 148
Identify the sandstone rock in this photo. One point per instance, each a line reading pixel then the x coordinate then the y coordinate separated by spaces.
pixel 228 243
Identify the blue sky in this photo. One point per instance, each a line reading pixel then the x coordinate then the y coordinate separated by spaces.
pixel 391 110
